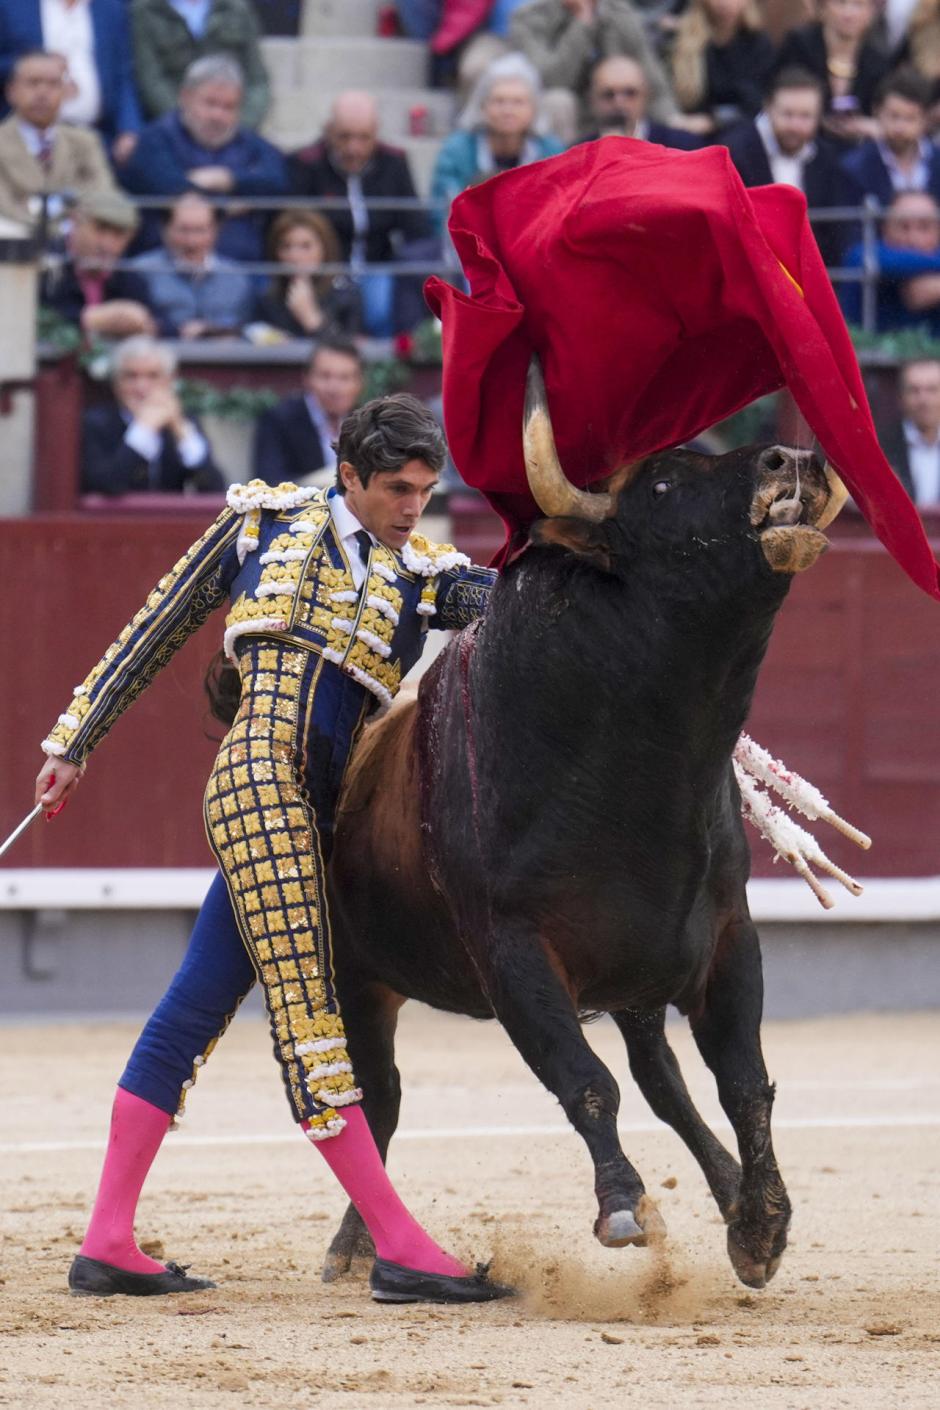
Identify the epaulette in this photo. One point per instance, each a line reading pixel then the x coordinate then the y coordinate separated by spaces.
pixel 250 499
pixel 258 495
pixel 420 555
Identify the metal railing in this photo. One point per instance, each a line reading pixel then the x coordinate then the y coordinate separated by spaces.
pixel 865 217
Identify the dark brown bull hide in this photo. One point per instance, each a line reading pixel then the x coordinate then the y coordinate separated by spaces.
pixel 552 827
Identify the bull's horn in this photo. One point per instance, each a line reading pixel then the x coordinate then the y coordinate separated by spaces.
pixel 552 491
pixel 838 494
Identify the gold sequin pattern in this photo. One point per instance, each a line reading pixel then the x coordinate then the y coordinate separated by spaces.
pixel 263 832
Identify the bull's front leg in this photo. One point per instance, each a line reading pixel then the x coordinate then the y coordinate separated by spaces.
pixel 531 1001
pixel 727 1030
pixel 657 1074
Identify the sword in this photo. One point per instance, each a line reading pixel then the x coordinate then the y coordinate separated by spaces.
pixel 29 818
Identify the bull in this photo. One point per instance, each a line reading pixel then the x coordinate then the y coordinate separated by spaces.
pixel 552 828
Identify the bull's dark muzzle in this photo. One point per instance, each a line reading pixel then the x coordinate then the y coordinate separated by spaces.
pixel 796 498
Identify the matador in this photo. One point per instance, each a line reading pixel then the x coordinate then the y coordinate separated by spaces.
pixel 331 598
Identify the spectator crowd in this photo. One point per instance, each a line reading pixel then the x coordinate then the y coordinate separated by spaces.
pixel 130 148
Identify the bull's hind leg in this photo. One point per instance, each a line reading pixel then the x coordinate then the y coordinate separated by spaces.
pixel 658 1076
pixel 371 1017
pixel 727 1030
pixel 539 1015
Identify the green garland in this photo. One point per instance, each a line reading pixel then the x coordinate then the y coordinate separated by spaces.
pixel 381 379
pixel 56 332
pixel 393 374
pixel 901 345
pixel 231 403
pixel 427 349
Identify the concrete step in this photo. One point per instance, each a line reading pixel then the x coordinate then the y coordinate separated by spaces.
pixel 337 18
pixel 335 64
pixel 422 154
pixel 362 63
pixel 396 104
pixel 296 110
pixel 280 59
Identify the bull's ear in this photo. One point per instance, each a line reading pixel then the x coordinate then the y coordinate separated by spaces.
pixel 580 536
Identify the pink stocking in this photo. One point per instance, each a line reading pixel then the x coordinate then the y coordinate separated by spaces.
pixel 137 1129
pixel 354 1159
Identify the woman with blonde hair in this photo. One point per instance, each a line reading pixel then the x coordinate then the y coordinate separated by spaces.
pixel 721 59
pixel 922 43
pixel 301 302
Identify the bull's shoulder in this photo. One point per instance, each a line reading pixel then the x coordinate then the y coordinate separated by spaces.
pixel 420 555
pixel 257 494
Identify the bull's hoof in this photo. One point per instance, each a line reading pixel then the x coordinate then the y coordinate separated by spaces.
pixel 342 1265
pixel 640 1227
pixel 754 1272
pixel 335 1266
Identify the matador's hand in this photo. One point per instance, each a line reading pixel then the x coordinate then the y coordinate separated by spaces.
pixel 56 782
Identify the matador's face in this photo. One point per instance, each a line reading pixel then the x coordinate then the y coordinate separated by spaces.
pixel 390 504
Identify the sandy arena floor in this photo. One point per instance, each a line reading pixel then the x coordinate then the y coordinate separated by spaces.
pixel 852 1318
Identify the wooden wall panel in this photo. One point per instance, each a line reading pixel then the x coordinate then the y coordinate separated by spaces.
pixel 71 584
pixel 849 694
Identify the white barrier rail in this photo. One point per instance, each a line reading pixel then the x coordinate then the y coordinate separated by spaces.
pixel 894 899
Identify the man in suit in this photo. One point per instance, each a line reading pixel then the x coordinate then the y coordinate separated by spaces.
pixel 784 144
pixel 143 441
pixel 201 146
pixel 192 291
pixel 912 443
pixel 902 158
pixel 41 159
pixel 618 97
pixel 352 163
pixel 86 289
pixel 294 440
pixel 93 39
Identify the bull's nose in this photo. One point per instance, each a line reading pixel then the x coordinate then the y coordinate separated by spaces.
pixel 777 460
pixel 789 482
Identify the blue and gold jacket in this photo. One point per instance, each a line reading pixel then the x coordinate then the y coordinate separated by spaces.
pixel 273 551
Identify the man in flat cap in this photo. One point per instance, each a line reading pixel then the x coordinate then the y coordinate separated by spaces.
pixel 87 289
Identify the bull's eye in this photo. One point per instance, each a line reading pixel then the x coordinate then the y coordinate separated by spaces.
pixel 662 487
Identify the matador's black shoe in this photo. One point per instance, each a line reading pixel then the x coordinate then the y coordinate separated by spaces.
pixel 390 1282
pixel 90 1278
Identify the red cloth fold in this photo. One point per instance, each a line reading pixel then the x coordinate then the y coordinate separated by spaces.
pixel 661 296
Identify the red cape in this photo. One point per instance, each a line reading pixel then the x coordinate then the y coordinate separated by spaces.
pixel 661 296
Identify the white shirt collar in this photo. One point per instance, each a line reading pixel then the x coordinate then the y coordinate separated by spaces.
pixel 915 178
pixel 324 430
pixel 33 137
pixel 923 464
pixel 347 526
pixel 769 138
pixel 916 438
pixel 344 520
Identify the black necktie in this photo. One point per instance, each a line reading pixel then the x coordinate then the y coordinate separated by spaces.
pixel 364 540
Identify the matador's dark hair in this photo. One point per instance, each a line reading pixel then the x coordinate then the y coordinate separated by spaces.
pixel 385 434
